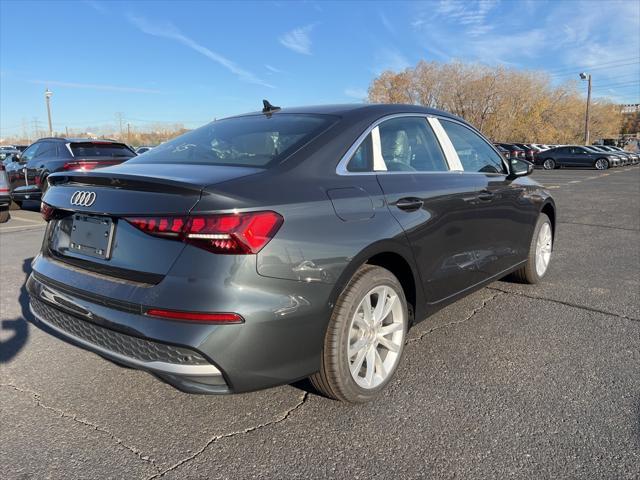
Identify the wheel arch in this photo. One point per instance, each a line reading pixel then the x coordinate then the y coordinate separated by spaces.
pixel 398 259
pixel 549 209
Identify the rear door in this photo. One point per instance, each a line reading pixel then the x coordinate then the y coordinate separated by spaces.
pixel 565 157
pixel 433 202
pixel 502 218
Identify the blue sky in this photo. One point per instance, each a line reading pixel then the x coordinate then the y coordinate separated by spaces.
pixel 192 61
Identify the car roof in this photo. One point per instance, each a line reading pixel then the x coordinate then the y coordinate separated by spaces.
pixel 80 140
pixel 357 109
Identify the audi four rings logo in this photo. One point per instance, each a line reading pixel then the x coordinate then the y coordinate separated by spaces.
pixel 83 199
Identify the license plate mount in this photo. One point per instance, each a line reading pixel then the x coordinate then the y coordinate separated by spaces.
pixel 92 235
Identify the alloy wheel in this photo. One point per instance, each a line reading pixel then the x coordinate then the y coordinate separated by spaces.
pixel 543 249
pixel 602 164
pixel 376 337
pixel 549 164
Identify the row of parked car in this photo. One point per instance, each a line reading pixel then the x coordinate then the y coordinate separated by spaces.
pixel 24 169
pixel 549 157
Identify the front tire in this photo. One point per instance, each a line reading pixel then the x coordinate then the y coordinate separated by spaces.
pixel 601 164
pixel 549 164
pixel 365 337
pixel 540 250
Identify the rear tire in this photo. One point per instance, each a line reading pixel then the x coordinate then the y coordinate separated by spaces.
pixel 549 164
pixel 540 250
pixel 355 338
pixel 4 216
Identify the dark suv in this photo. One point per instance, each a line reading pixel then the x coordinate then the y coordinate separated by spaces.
pixel 28 173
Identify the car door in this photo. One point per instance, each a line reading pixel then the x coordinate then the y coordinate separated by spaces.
pixel 501 217
pixel 431 200
pixel 38 164
pixel 17 179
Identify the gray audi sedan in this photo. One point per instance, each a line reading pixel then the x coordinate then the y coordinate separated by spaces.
pixel 270 247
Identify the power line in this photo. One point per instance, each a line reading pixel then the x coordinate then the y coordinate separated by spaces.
pixel 570 69
pixel 618 84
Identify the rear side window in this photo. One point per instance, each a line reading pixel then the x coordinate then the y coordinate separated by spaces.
pixel 409 145
pixel 362 159
pixel 249 141
pixel 475 154
pixel 97 149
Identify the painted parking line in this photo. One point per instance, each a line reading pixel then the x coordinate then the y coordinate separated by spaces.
pixel 20 219
pixel 20 227
pixel 575 181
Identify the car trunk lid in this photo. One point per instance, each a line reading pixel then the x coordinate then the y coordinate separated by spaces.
pixel 89 226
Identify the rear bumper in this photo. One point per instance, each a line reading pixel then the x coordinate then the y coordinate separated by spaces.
pixel 280 341
pixel 183 368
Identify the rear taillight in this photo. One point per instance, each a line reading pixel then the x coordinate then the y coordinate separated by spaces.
pixel 85 165
pixel 47 211
pixel 4 181
pixel 239 233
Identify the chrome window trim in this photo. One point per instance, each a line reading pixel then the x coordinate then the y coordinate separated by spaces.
pixel 449 150
pixel 451 156
pixel 376 147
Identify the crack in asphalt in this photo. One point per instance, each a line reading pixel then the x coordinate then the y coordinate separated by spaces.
pixel 600 226
pixel 36 398
pixel 466 319
pixel 567 304
pixel 284 416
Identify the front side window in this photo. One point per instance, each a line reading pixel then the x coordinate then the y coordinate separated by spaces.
pixel 30 152
pixel 408 144
pixel 475 154
pixel 248 141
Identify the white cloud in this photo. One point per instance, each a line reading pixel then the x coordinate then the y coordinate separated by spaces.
pixel 93 86
pixel 387 23
pixel 298 40
pixel 97 6
pixel 273 69
pixel 170 31
pixel 359 94
pixel 389 59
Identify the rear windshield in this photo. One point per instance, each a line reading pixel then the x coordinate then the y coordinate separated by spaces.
pixel 250 141
pixel 96 149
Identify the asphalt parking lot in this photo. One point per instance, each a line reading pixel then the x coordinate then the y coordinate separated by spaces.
pixel 514 381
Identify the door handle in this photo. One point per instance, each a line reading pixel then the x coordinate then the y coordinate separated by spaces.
pixel 485 196
pixel 409 204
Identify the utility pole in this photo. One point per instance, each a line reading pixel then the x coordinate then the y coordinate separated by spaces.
pixel 119 116
pixel 47 98
pixel 66 131
pixel 587 77
pixel 36 128
pixel 129 133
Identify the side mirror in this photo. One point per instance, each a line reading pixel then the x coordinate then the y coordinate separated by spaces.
pixel 520 168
